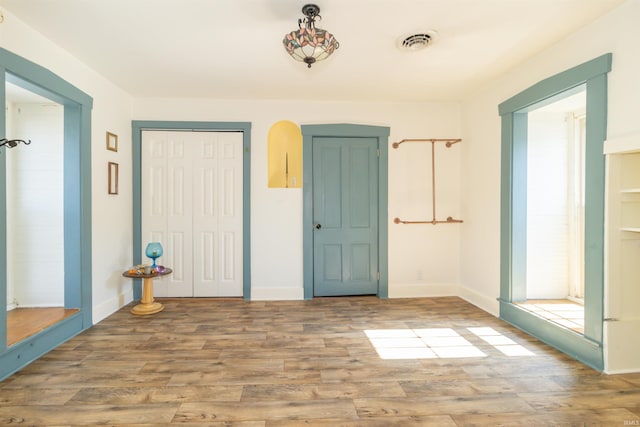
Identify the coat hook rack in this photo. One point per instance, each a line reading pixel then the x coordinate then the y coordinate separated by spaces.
pixel 10 143
pixel 448 143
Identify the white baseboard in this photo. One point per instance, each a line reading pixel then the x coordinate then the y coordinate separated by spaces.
pixel 107 308
pixel 490 305
pixel 422 290
pixel 276 294
pixel 621 346
pixel 621 371
pixel 50 305
pixel 11 306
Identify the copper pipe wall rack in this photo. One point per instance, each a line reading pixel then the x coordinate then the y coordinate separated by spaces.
pixel 448 143
pixel 449 220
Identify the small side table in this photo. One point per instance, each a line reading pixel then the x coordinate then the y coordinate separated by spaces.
pixel 147 304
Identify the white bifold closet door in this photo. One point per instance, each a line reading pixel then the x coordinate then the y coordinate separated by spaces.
pixel 192 204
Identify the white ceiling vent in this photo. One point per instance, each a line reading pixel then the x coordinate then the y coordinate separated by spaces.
pixel 416 41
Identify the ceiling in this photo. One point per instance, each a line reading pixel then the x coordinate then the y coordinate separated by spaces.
pixel 232 49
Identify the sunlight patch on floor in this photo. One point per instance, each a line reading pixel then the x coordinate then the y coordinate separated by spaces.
pixel 445 343
pixel 565 313
pixel 504 344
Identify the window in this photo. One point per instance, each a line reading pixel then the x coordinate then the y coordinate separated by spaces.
pixel 516 215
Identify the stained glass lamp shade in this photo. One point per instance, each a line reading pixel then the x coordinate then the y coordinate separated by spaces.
pixel 309 44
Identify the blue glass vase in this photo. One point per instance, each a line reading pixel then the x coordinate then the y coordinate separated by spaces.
pixel 154 251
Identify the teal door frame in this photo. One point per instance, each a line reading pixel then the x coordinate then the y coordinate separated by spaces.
pixel 309 132
pixel 588 347
pixel 77 209
pixel 138 126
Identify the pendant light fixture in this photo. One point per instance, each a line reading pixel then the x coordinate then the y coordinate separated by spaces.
pixel 309 44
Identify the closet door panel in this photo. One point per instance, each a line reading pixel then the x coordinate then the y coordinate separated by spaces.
pixel 205 215
pixel 192 203
pixel 218 215
pixel 179 247
pixel 230 215
pixel 154 196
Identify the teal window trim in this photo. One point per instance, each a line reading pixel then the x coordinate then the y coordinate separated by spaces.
pixel 593 74
pixel 77 208
pixel 309 132
pixel 545 91
pixel 138 126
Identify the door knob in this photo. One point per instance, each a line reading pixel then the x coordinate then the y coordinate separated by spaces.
pixel 318 226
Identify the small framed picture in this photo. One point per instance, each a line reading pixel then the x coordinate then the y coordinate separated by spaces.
pixel 113 178
pixel 112 141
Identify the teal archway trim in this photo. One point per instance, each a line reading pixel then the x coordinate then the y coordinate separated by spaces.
pixel 346 130
pixel 77 210
pixel 245 127
pixel 588 347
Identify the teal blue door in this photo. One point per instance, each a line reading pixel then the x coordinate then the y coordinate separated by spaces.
pixel 345 216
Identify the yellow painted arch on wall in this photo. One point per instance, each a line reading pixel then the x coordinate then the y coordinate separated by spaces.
pixel 284 155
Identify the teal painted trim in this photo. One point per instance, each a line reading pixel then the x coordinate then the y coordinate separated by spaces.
pixel 547 101
pixel 3 226
pixel 307 213
pixel 39 80
pixel 596 133
pixel 86 225
pixel 72 201
pixel 346 130
pixel 136 151
pixel 506 201
pixel 24 352
pixel 513 208
pixel 245 127
pixel 519 208
pixel 309 132
pixel 77 206
pixel 246 217
pixel 187 125
pixel 383 213
pixel 556 84
pixel 571 343
pixel 593 74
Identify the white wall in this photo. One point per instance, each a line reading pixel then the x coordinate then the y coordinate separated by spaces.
pixel 616 32
pixel 423 259
pixel 111 215
pixel 35 208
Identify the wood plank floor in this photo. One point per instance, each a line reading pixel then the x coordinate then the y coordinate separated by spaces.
pixel 356 361
pixel 24 322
